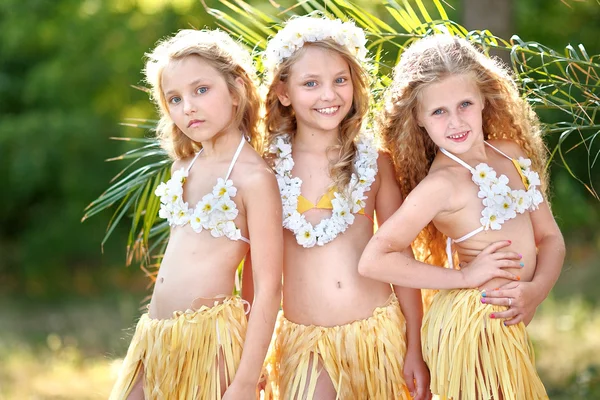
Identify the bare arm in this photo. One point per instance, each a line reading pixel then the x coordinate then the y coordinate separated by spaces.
pixel 388 200
pixel 266 250
pixel 388 258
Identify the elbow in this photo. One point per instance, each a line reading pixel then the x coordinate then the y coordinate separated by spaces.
pixel 367 265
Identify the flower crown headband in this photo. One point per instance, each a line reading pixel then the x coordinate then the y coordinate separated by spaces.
pixel 301 30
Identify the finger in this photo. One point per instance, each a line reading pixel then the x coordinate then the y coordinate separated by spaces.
pixel 500 294
pixel 410 383
pixel 513 321
pixel 506 314
pixel 508 255
pixel 510 264
pixel 500 273
pixel 493 247
pixel 500 301
pixel 509 286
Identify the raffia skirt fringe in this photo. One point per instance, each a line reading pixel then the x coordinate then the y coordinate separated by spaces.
pixel 364 359
pixel 473 357
pixel 180 356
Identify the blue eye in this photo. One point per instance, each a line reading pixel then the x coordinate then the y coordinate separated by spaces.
pixel 465 104
pixel 174 100
pixel 341 80
pixel 439 111
pixel 201 90
pixel 310 84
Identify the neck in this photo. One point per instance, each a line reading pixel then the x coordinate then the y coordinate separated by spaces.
pixel 315 141
pixel 222 144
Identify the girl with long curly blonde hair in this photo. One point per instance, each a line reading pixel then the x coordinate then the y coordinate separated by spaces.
pixel 340 335
pixel 195 341
pixel 466 147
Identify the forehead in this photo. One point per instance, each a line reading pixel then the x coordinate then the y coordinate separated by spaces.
pixel 186 70
pixel 448 90
pixel 316 60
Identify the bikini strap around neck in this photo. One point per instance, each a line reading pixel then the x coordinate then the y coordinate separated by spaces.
pixel 499 151
pixel 458 160
pixel 235 157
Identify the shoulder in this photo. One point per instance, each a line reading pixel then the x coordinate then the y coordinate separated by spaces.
pixel 254 173
pixel 385 165
pixel 180 163
pixel 510 147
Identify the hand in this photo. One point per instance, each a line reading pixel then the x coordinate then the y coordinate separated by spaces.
pixel 524 300
pixel 416 375
pixel 241 391
pixel 489 264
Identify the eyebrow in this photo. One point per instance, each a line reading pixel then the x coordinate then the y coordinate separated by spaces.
pixel 340 72
pixel 192 83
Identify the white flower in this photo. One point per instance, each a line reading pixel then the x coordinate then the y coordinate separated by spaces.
pixel 181 215
pixel 305 29
pixel 305 237
pixel 223 188
pixel 483 174
pixel 207 204
pixel 524 163
pixel 500 185
pixel 197 220
pixel 536 198
pixel 161 190
pixel 507 208
pixel 490 219
pixel 532 178
pixel 228 207
pixel 179 176
pixel 521 201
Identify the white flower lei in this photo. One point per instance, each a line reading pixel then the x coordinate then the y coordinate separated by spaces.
pixel 342 216
pixel 298 31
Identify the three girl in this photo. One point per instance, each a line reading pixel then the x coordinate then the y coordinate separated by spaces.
pixel 469 154
pixel 340 335
pixel 195 341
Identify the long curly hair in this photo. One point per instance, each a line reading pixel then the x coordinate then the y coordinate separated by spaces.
pixel 226 56
pixel 506 116
pixel 281 120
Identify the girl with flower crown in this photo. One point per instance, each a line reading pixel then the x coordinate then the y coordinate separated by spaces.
pixel 340 336
pixel 467 147
pixel 195 341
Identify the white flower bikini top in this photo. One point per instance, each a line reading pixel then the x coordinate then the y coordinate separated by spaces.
pixel 215 212
pixel 501 203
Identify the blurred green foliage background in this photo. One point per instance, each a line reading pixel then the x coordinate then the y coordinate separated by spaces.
pixel 67 71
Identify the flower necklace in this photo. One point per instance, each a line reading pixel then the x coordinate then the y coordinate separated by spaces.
pixel 343 205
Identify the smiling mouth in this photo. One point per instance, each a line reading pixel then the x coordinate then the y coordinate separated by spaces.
pixel 458 136
pixel 327 110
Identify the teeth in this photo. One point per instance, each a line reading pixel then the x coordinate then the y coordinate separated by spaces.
pixel 460 135
pixel 328 110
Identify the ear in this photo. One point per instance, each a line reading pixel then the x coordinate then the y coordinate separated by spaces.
pixel 239 83
pixel 282 94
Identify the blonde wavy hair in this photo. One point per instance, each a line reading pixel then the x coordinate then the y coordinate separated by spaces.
pixel 226 56
pixel 506 116
pixel 281 120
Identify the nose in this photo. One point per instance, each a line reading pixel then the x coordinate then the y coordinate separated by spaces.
pixel 188 106
pixel 327 93
pixel 454 120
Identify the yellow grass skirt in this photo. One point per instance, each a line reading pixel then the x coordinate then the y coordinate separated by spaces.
pixel 180 356
pixel 471 356
pixel 364 359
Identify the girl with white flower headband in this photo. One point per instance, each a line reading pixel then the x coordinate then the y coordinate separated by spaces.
pixel 466 147
pixel 340 335
pixel 195 341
